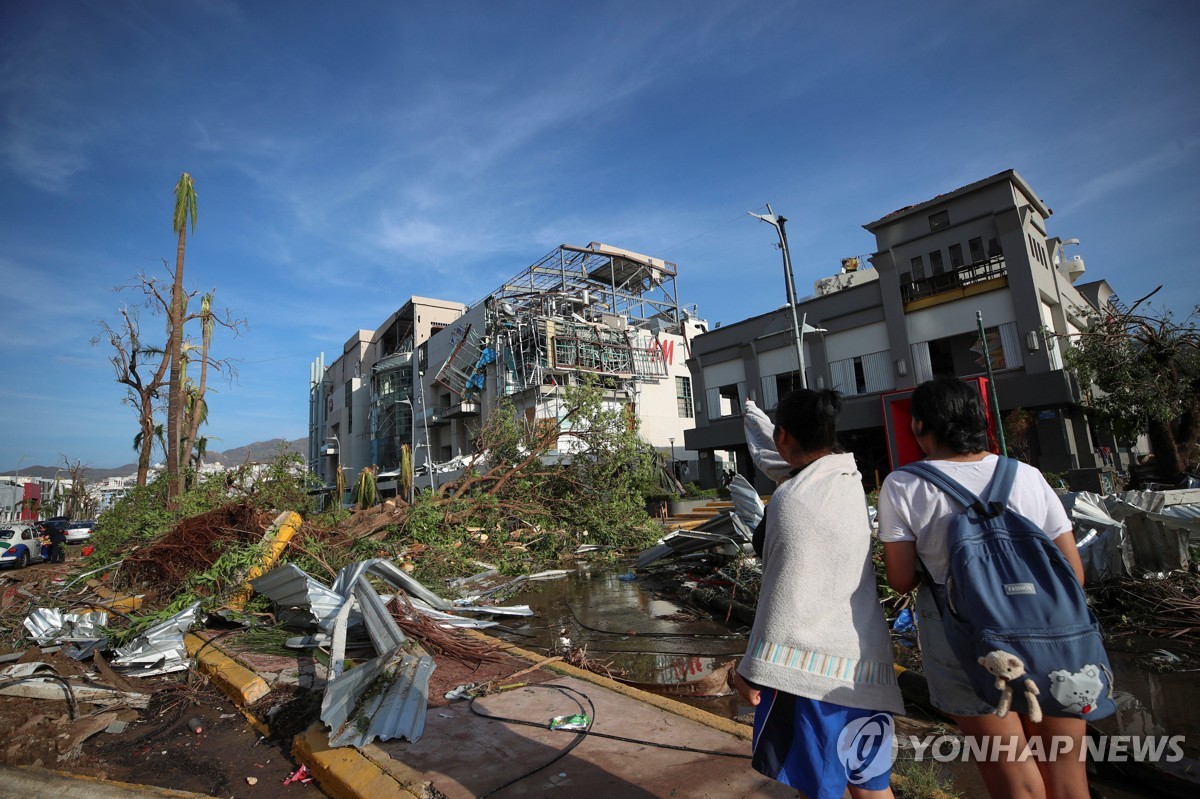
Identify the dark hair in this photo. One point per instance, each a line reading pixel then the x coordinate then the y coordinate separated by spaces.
pixel 811 417
pixel 953 412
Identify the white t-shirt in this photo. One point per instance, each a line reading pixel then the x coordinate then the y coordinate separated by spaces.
pixel 913 509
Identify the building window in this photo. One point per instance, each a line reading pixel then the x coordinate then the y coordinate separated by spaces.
pixel 976 246
pixel 683 397
pixel 994 248
pixel 956 259
pixel 964 354
pixel 776 386
pixel 863 374
pixel 726 400
pixel 918 268
pixel 348 398
pixel 935 262
pixel 939 221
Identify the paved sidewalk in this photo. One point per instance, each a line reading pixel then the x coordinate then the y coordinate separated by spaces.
pixel 465 756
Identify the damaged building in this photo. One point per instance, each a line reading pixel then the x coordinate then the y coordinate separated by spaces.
pixel 429 375
pixel 873 334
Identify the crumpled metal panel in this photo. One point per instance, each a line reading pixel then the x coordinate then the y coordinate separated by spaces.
pixel 449 619
pixel 48 625
pixel 287 585
pixel 389 571
pixel 1101 540
pixel 1159 542
pixel 1189 511
pixel 389 694
pixel 163 641
pixel 381 627
pixel 747 504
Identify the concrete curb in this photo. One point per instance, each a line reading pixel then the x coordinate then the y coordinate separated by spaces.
pixel 236 681
pixel 342 773
pixel 349 773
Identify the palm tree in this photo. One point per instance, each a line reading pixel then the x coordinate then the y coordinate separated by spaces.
pixel 157 437
pixel 195 407
pixel 185 211
pixel 201 451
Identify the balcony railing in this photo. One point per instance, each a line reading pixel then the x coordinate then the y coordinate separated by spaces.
pixel 955 279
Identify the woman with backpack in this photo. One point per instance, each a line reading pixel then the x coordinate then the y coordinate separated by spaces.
pixel 818 665
pixel 915 521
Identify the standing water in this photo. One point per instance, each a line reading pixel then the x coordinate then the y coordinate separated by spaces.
pixel 633 625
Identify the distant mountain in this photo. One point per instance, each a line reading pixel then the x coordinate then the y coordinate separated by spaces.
pixel 251 453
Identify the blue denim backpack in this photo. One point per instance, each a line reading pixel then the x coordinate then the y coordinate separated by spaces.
pixel 1014 613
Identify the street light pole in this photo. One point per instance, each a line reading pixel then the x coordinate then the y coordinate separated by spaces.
pixel 18 476
pixel 425 420
pixel 674 471
pixel 778 222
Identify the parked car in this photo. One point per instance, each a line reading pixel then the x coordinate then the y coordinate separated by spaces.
pixel 78 532
pixel 60 523
pixel 22 546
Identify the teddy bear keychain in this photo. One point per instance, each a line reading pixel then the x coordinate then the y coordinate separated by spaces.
pixel 1007 668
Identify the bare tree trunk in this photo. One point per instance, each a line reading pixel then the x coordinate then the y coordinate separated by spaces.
pixel 146 451
pixel 192 429
pixel 175 387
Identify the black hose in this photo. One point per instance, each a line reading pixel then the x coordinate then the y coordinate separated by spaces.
pixel 579 734
pixel 585 733
pixel 72 704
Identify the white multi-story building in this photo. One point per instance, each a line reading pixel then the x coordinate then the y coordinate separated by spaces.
pixel 979 252
pixel 430 376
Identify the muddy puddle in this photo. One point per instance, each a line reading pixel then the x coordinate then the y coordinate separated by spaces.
pixel 632 623
pixel 638 625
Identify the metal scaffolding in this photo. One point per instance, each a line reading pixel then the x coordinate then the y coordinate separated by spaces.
pixel 595 309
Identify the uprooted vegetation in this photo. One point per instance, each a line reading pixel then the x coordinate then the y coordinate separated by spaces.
pixel 532 496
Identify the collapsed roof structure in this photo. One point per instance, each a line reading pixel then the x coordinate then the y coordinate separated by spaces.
pixel 596 309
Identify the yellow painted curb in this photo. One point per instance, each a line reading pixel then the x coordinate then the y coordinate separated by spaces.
pixel 348 773
pixel 239 683
pixel 721 723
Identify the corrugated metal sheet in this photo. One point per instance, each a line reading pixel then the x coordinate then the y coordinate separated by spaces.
pixel 747 504
pixel 385 633
pixel 47 625
pixel 162 642
pixel 290 586
pixel 389 571
pixel 383 699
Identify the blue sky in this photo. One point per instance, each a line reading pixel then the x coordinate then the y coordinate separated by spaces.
pixel 348 156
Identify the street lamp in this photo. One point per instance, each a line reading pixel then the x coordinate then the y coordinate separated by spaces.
pixel 778 222
pixel 18 476
pixel 674 471
pixel 425 423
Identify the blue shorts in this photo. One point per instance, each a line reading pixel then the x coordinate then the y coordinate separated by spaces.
pixel 818 747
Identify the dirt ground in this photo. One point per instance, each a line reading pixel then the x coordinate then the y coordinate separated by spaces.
pixel 157 745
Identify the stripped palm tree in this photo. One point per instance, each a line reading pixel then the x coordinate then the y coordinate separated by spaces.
pixel 195 407
pixel 185 212
pixel 366 489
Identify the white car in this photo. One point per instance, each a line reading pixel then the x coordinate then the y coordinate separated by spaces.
pixel 78 532
pixel 22 546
